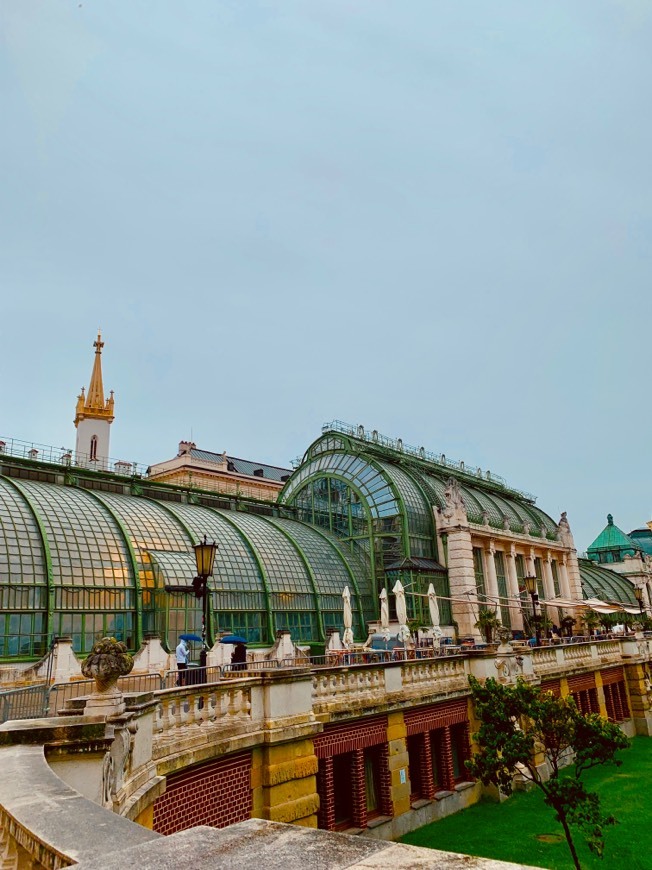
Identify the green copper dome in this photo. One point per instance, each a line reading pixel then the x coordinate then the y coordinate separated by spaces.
pixel 612 544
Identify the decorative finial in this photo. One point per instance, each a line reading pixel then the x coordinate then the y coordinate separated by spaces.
pixel 610 520
pixel 98 344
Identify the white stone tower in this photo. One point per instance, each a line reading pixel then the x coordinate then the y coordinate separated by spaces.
pixel 94 417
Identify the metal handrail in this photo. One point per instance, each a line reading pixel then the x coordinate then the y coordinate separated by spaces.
pixel 398 446
pixel 66 457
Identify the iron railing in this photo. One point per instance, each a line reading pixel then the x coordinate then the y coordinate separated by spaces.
pixel 66 457
pixel 397 445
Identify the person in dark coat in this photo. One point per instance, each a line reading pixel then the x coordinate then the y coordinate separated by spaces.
pixel 239 657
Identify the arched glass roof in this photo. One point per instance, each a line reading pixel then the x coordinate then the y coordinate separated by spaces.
pixel 235 569
pixel 606 585
pixel 85 544
pixel 412 479
pixel 101 547
pixel 21 551
pixel 364 476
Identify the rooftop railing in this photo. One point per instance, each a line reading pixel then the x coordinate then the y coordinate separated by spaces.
pixel 397 445
pixel 66 457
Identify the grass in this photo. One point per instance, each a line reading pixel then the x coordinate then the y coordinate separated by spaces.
pixel 511 831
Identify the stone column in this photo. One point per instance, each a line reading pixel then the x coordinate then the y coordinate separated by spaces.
pixel 549 585
pixel 512 584
pixel 490 572
pixel 563 578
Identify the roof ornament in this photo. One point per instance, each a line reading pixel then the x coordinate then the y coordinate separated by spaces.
pixel 565 535
pixel 454 509
pixel 610 519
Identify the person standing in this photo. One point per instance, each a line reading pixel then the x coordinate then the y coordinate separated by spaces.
pixel 239 657
pixel 183 653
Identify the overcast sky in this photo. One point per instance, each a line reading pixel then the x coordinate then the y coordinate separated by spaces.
pixel 433 218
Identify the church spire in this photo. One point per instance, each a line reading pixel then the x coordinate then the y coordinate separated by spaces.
pixel 93 405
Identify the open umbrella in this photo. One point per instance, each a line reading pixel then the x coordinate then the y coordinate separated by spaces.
pixel 190 637
pixel 232 638
pixel 401 611
pixel 434 611
pixel 347 637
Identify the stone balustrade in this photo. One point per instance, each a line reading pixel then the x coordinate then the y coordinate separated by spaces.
pixel 126 758
pixel 44 823
pixel 344 687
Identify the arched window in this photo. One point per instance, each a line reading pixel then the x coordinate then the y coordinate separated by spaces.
pixel 94 447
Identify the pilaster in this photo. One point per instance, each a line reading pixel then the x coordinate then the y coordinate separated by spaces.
pixel 398 763
pixel 288 779
pixel 640 691
pixel 461 578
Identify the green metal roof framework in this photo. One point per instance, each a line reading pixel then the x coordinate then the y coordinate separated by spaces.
pixel 599 582
pixel 396 492
pixel 81 562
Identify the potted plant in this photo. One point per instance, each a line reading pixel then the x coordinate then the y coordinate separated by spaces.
pixel 487 622
pixel 567 624
pixel 591 620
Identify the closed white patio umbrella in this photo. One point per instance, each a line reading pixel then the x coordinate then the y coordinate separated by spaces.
pixel 347 637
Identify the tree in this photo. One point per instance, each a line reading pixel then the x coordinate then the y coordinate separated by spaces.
pixel 519 722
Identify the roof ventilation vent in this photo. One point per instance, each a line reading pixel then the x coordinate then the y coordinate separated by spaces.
pixel 258 472
pixel 285 477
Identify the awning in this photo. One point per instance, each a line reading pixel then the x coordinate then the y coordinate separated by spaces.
pixel 593 604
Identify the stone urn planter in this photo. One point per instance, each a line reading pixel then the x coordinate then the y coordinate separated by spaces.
pixel 106 663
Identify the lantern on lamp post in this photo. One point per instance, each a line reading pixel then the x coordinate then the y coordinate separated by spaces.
pixel 638 592
pixel 531 587
pixel 205 559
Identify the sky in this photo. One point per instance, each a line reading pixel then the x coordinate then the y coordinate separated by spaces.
pixel 431 217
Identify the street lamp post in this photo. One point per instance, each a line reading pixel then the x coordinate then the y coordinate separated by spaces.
pixel 205 558
pixel 531 587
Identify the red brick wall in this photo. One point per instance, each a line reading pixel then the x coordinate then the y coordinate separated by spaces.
pixel 337 739
pixel 217 793
pixel 436 716
pixel 581 682
pixel 612 675
pixel 552 686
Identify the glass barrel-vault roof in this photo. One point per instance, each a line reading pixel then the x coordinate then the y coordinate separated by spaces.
pixel 21 548
pixel 149 525
pixel 326 562
pixel 237 578
pixel 86 546
pixel 286 572
pixel 598 582
pixel 363 475
pixel 417 511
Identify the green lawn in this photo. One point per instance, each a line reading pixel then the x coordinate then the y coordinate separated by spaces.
pixel 510 831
